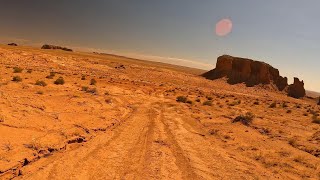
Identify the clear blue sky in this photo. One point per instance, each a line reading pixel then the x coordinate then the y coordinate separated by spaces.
pixel 283 33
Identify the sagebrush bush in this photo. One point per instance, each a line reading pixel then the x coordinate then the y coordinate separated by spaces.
pixel 207 103
pixel 315 119
pixel 59 81
pixel 93 82
pixel 244 119
pixel 51 75
pixel 182 99
pixel 41 83
pixel 17 79
pixel 273 105
pixel 17 70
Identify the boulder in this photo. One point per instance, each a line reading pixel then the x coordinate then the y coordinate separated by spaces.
pixel 296 89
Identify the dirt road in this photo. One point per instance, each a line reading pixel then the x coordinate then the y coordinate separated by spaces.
pixel 153 142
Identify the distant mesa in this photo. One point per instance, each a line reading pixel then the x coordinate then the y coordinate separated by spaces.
pixel 12 44
pixel 251 72
pixel 46 46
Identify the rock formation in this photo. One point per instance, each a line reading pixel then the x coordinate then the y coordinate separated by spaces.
pixel 296 89
pixel 46 46
pixel 250 72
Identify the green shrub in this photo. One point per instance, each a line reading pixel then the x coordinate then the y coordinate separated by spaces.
pixel 17 70
pixel 93 82
pixel 244 119
pixel 182 99
pixel 17 79
pixel 41 83
pixel 59 81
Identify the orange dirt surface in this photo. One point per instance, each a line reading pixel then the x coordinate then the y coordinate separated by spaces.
pixel 128 125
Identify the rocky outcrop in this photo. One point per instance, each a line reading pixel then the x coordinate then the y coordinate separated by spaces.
pixel 12 44
pixel 46 46
pixel 296 89
pixel 251 72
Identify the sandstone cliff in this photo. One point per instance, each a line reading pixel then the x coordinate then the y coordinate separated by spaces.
pixel 250 72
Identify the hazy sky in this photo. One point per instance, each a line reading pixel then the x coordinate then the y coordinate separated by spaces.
pixel 283 33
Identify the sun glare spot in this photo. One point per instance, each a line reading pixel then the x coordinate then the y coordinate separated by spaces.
pixel 223 27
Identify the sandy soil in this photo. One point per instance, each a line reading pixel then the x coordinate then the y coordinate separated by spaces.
pixel 130 126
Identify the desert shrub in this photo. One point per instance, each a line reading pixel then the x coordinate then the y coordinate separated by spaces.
pixel 51 75
pixel 292 142
pixel 256 103
pixel 315 119
pixel 92 91
pixel 93 82
pixel 273 105
pixel 244 119
pixel 298 106
pixel 197 100
pixel 234 103
pixel 182 99
pixel 17 70
pixel 209 98
pixel 289 111
pixel 89 90
pixel 39 92
pixel 189 102
pixel 29 71
pixel 83 77
pixel 284 105
pixel 17 79
pixel 59 81
pixel 207 103
pixel 41 83
pixel 84 88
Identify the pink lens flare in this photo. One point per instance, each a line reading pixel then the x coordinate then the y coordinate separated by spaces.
pixel 223 27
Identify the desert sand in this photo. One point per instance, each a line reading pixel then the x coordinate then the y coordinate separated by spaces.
pixel 127 124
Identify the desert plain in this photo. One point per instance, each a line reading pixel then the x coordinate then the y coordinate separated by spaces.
pixel 112 117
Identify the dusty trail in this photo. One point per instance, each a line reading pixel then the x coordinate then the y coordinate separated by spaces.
pixel 153 143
